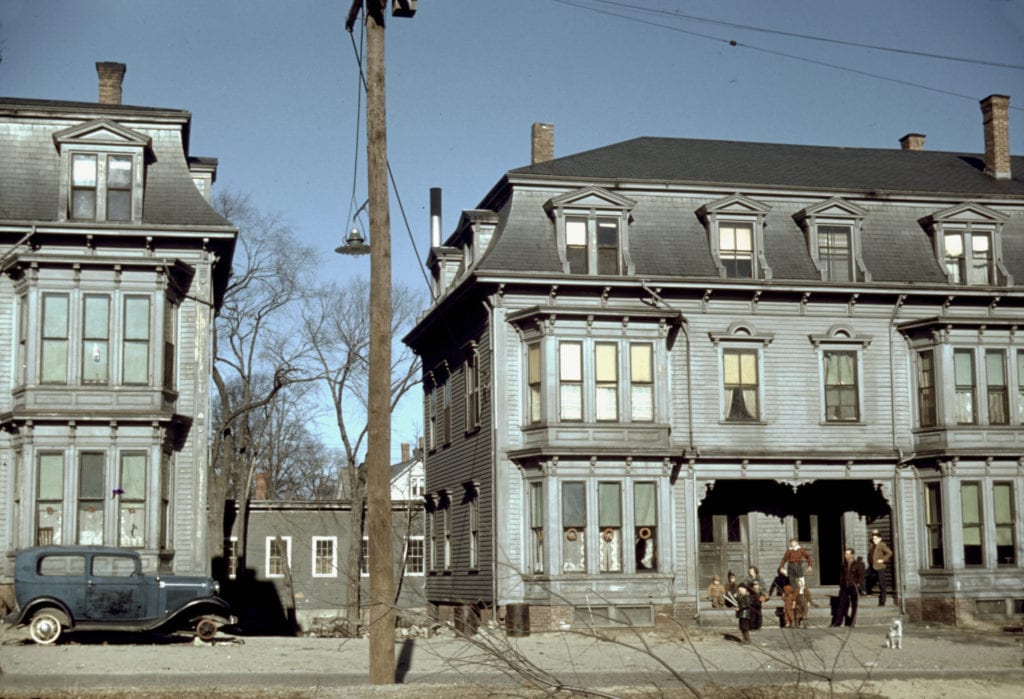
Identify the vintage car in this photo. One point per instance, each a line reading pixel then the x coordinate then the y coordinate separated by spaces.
pixel 96 588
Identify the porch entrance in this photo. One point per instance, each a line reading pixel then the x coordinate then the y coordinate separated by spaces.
pixel 730 538
pixel 723 546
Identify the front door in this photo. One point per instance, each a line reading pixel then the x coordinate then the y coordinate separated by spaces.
pixel 722 547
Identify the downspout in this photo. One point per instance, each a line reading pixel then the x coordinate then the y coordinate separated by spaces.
pixel 897 494
pixel 489 310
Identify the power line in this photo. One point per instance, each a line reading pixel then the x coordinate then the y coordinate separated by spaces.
pixel 391 175
pixel 809 37
pixel 734 43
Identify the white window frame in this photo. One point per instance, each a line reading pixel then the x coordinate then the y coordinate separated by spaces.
pixel 288 554
pixel 966 220
pixel 835 213
pixel 840 338
pixel 741 337
pixel 593 205
pixel 423 555
pixel 731 211
pixel 333 563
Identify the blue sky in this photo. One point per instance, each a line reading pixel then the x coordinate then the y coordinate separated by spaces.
pixel 272 87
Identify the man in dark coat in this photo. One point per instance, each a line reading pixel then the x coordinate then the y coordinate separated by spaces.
pixel 879 556
pixel 851 575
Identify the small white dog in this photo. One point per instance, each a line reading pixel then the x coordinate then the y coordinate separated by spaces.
pixel 894 636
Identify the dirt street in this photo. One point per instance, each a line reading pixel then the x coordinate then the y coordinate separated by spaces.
pixel 935 662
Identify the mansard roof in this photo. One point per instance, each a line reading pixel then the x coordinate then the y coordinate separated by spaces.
pixel 673 183
pixel 30 169
pixel 737 163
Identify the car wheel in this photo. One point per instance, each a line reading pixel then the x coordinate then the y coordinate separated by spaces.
pixel 45 627
pixel 206 630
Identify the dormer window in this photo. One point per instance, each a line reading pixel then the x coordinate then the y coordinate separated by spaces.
pixel 101 172
pixel 592 231
pixel 833 232
pixel 967 240
pixel 735 228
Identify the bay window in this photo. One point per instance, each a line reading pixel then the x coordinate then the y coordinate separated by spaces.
pixel 606 374
pixel 136 341
pixel 132 500
pixel 95 339
pixel 50 499
pixel 91 497
pixel 533 382
pixel 54 360
pixel 927 411
pixel 645 525
pixel 995 381
pixel 641 382
pixel 964 379
pixel 570 381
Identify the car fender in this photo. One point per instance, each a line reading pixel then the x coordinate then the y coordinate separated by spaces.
pixel 185 615
pixel 24 615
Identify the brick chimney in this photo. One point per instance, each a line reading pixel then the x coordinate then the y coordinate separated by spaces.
pixel 995 113
pixel 542 139
pixel 405 451
pixel 261 487
pixel 912 141
pixel 111 75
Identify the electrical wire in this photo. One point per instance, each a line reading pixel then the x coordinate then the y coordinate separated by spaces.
pixel 809 37
pixel 391 175
pixel 735 43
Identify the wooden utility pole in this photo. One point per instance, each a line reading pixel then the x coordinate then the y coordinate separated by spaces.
pixel 378 449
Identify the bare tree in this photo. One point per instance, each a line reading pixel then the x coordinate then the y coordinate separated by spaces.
pixel 336 329
pixel 254 348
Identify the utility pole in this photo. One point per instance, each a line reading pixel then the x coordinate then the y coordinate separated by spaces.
pixel 378 449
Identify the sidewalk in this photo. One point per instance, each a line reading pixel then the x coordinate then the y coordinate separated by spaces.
pixel 935 661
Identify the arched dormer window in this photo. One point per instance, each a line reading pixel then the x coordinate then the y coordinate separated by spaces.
pixel 592 231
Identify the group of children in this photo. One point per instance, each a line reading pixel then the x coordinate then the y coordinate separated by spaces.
pixel 749 596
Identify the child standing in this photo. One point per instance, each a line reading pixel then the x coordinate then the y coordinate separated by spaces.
pixel 744 612
pixel 792 565
pixel 788 605
pixel 716 593
pixel 802 604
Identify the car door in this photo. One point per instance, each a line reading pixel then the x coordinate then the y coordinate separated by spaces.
pixel 113 588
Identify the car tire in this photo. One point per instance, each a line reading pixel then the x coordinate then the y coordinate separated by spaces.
pixel 45 627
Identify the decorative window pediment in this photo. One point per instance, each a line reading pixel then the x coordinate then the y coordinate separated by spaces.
pixel 101 172
pixel 592 231
pixel 840 335
pixel 101 132
pixel 735 229
pixel 833 232
pixel 967 240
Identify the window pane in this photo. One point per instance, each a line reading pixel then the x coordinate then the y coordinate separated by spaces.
pixel 576 232
pixel 136 363
pixel 133 476
pixel 970 495
pixel 119 172
pixel 645 512
pixel 607 247
pixel 119 205
pixel 574 505
pixel 55 316
pixel 136 318
pixel 571 402
pixel 570 361
pixel 640 362
pixel 83 170
pixel 90 484
pixel 609 505
pixel 83 203
pixel 1002 497
pixel 606 362
pixel 51 476
pixel 97 317
pixel 54 361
